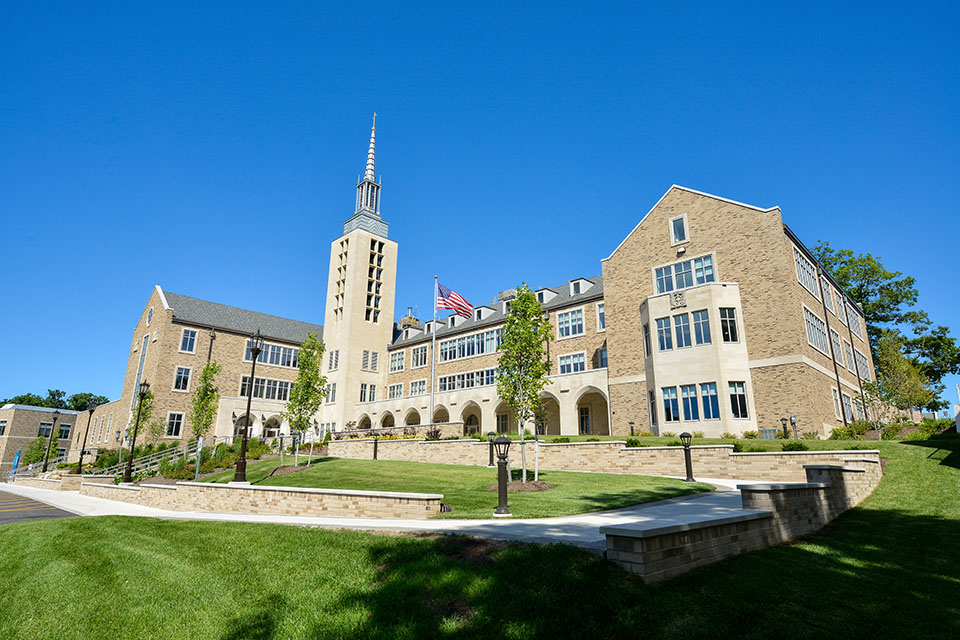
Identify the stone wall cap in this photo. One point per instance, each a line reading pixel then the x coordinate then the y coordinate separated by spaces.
pixel 125 487
pixel 680 447
pixel 873 460
pixel 570 444
pixel 801 453
pixel 344 492
pixel 653 529
pixel 839 467
pixel 782 486
pixel 160 486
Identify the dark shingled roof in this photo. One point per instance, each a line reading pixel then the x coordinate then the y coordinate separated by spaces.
pixel 194 311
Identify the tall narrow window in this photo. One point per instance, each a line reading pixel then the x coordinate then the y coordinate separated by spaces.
pixel 836 404
pixel 711 403
pixel 653 409
pixel 188 341
pixel 363 392
pixel 688 394
pixel 681 326
pixel 701 326
pixel 728 324
pixel 174 424
pixel 601 317
pixel 181 381
pixel 584 418
pixel 671 405
pixel 664 338
pixel 738 399
pixel 646 340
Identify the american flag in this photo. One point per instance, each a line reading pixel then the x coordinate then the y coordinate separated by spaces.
pixel 447 299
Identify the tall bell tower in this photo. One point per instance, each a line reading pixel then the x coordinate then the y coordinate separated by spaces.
pixel 358 320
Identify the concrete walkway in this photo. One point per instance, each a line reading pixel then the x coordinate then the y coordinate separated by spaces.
pixel 580 530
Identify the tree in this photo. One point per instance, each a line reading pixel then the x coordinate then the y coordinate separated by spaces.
pixel 56 399
pixel 309 389
pixel 206 398
pixel 899 385
pixel 80 401
pixel 35 452
pixel 146 412
pixel 523 364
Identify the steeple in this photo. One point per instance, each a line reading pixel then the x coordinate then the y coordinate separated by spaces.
pixel 367 213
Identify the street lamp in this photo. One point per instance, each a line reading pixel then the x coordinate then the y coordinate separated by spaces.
pixel 631 427
pixel 502 446
pixel 685 439
pixel 142 392
pixel 46 457
pixel 490 437
pixel 90 409
pixel 783 421
pixel 255 349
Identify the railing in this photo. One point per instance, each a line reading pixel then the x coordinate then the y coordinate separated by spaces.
pixel 34 468
pixel 152 461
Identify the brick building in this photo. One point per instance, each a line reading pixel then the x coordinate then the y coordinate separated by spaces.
pixel 711 315
pixel 21 424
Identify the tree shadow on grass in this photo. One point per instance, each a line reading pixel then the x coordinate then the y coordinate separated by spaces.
pixel 259 620
pixel 945 450
pixel 871 573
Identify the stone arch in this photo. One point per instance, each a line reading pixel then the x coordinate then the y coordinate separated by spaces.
pixel 590 412
pixel 242 421
pixel 471 415
pixel 440 414
pixel 411 417
pixel 549 425
pixel 271 428
pixel 364 422
pixel 386 420
pixel 504 419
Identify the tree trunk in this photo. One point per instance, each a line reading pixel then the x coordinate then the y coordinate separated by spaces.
pixel 536 464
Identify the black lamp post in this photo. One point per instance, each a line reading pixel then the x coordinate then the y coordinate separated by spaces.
pixel 46 457
pixel 142 392
pixel 783 421
pixel 255 349
pixel 502 445
pixel 685 439
pixel 490 437
pixel 90 409
pixel 631 427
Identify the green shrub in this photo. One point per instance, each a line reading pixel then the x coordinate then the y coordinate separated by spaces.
pixel 737 447
pixel 794 445
pixel 633 442
pixel 809 435
pixel 674 443
pixel 891 432
pixel 592 440
pixel 751 435
pixel 728 436
pixel 754 450
pixel 698 434
pixel 668 434
pixel 646 434
pixel 561 440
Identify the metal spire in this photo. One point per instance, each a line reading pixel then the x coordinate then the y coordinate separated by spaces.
pixel 369 173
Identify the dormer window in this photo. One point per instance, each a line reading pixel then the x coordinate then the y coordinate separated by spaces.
pixel 576 288
pixel 679 232
pixel 540 297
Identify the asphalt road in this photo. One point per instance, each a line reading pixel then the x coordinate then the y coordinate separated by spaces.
pixel 19 509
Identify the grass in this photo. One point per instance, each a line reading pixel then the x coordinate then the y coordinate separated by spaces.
pixel 465 488
pixel 888 568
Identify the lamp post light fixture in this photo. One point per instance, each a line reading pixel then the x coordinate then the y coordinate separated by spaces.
pixel 685 439
pixel 142 392
pixel 255 349
pixel 490 436
pixel 631 428
pixel 783 421
pixel 502 446
pixel 90 409
pixel 793 421
pixel 46 457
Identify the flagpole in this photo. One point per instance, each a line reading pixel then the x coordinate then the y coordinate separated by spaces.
pixel 433 348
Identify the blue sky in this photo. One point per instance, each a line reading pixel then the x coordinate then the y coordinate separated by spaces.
pixel 214 149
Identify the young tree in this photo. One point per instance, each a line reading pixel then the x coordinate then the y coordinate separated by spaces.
pixel 34 452
pixel 147 430
pixel 899 385
pixel 206 398
pixel 523 364
pixel 310 388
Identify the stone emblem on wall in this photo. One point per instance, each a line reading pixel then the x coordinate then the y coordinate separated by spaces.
pixel 678 299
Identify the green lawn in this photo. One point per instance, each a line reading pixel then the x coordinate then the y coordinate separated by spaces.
pixel 888 568
pixel 465 488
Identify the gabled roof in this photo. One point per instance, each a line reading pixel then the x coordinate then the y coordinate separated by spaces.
pixel 30 407
pixel 203 313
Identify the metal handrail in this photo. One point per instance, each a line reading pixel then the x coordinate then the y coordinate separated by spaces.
pixel 153 460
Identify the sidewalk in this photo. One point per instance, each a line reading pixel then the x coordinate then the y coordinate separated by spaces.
pixel 580 530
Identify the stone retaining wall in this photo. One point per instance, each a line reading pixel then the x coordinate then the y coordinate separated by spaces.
pixel 64 482
pixel 772 514
pixel 292 501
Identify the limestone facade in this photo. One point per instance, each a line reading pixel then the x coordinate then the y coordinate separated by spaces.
pixel 21 424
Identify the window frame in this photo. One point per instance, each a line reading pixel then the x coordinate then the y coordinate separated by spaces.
pixel 193 340
pixel 179 433
pixel 714 398
pixel 413 356
pixel 601 316
pixel 573 358
pixel 413 386
pixel 570 312
pixel 672 409
pixel 686 230
pixel 746 400
pixel 671 277
pixel 807 315
pixel 701 328
pixel 736 328
pixel 176 378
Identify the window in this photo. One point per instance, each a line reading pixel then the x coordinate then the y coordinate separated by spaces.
pixel 570 323
pixel 332 392
pixel 273 354
pixel 728 324
pixel 664 337
pixel 61 452
pixel 396 361
pixel 701 326
pixel 601 317
pixel 836 403
pixel 502 423
pixel 395 391
pixel 576 288
pixel 859 408
pixel 370 360
pixel 472 345
pixel 45 429
pixel 174 423
pixel 827 294
pixel 806 273
pixel 266 389
pixel 188 341
pixel 863 367
pixel 539 299
pixel 603 357
pixel 837 350
pixel 373 393
pixel 841 308
pixel 653 409
pixel 468 380
pixel 3 427
pixel 334 363
pixel 848 352
pixel 64 432
pixel 671 408
pixel 418 357
pixel 681 326
pixel 150 316
pixel 738 399
pixel 854 319
pixel 710 401
pixel 688 394
pixel 816 331
pixel 678 229
pixel 572 363
pixel 684 274
pixel 583 418
pixel 181 381
pixel 847 408
pixel 418 387
pixel 646 340
pixel 363 392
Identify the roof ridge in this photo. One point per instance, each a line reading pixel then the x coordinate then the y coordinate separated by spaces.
pixel 230 306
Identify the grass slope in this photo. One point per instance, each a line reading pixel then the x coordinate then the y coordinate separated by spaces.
pixel 465 488
pixel 886 569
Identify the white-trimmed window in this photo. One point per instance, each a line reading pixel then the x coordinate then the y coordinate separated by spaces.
pixel 671 405
pixel 570 323
pixel 681 327
pixel 418 357
pixel 396 361
pixel 150 316
pixel 188 342
pixel 841 308
pixel 472 345
pixel 174 424
pixel 816 332
pixel 688 397
pixel 684 274
pixel 679 233
pixel 373 393
pixel 273 354
pixel 334 360
pixel 863 367
pixel 728 324
pixel 331 393
pixel 701 326
pixel 601 317
pixel 3 427
pixel 848 407
pixel 738 399
pixel 836 404
pixel 418 387
pixel 370 360
pixel 806 273
pixel 363 392
pixel 711 401
pixel 646 340
pixel 572 363
pixel 395 391
pixel 854 319
pixel 266 388
pixel 827 294
pixel 181 381
pixel 467 380
pixel 848 352
pixel 837 349
pixel 64 431
pixel 664 335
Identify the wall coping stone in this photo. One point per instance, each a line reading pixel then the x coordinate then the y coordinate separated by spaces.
pixel 643 530
pixel 801 453
pixel 674 447
pixel 343 492
pixel 169 487
pixel 568 444
pixel 834 466
pixel 125 487
pixel 57 480
pixel 783 486
pixel 873 460
pixel 473 440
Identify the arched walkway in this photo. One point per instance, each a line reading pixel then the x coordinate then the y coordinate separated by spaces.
pixel 441 415
pixel 387 420
pixel 548 418
pixel 271 428
pixel 505 419
pixel 470 416
pixel 412 418
pixel 240 423
pixel 591 413
pixel 363 422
